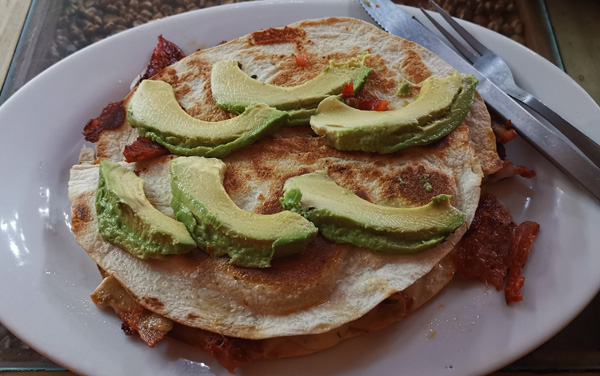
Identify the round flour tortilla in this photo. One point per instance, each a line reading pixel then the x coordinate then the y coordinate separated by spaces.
pixel 327 285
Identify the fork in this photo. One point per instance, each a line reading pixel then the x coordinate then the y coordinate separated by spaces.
pixel 496 70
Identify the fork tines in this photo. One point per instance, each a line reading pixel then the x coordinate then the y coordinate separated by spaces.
pixel 469 54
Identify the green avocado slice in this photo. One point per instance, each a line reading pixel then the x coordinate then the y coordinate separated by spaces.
pixel 127 219
pixel 343 217
pixel 156 113
pixel 441 106
pixel 221 228
pixel 234 90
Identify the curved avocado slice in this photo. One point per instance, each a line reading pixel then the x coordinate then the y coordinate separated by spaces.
pixel 156 113
pixel 127 219
pixel 220 227
pixel 343 217
pixel 441 106
pixel 234 90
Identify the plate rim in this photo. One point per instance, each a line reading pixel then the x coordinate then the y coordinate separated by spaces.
pixel 33 82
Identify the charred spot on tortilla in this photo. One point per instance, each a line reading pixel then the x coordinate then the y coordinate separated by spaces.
pixel 153 302
pixel 413 66
pixel 81 214
pixel 278 36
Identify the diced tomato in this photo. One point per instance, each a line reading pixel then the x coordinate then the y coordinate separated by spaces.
pixel 381 105
pixel 363 101
pixel 302 60
pixel 348 90
pixel 371 104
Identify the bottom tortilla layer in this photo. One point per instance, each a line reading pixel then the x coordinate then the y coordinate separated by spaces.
pixel 232 352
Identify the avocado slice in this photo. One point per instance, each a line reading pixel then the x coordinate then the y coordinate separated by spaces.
pixel 234 90
pixel 156 113
pixel 300 117
pixel 441 106
pixel 221 228
pixel 343 217
pixel 127 219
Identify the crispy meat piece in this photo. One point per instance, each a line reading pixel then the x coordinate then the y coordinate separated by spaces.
pixel 493 245
pixel 504 132
pixel 522 243
pixel 509 169
pixel 229 352
pixel 165 53
pixel 136 319
pixel 232 352
pixel 483 252
pixel 143 149
pixel 363 100
pixel 502 129
pixel 111 117
pixel 151 327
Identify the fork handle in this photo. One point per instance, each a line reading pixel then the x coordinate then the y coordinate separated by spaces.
pixel 585 144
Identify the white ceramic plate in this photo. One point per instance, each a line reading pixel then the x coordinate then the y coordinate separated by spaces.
pixel 46 279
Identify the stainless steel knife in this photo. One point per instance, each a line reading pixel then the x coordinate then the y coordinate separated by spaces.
pixel 537 132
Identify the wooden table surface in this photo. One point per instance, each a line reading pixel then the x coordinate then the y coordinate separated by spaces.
pixel 576 27
pixel 12 19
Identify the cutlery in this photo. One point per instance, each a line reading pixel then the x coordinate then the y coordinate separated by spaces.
pixel 497 71
pixel 539 133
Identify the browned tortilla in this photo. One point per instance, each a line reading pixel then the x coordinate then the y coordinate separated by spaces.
pixel 313 292
pixel 327 286
pixel 270 56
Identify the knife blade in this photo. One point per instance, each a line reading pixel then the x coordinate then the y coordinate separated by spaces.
pixel 538 133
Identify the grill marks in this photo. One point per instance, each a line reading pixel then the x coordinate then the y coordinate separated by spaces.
pixel 81 214
pixel 413 67
pixel 381 78
pixel 192 75
pixel 262 169
pixel 298 270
